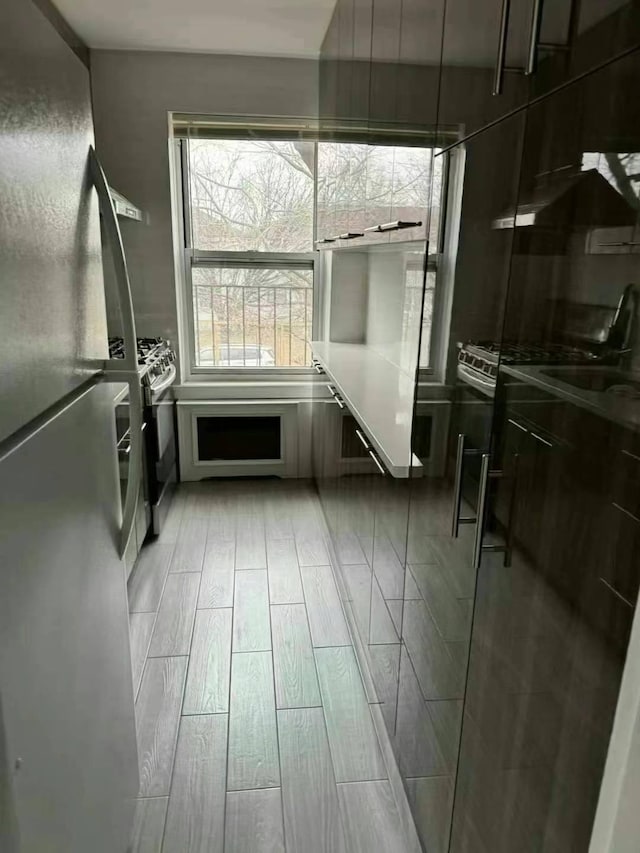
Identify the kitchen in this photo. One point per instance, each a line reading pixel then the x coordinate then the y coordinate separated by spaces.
pixel 320 522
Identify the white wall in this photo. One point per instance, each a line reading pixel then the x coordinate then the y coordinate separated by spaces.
pixel 133 92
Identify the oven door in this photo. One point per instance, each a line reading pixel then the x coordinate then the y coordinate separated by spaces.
pixel 162 454
pixel 142 519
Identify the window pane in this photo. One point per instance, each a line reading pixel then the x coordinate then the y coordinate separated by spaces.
pixel 252 316
pixel 251 195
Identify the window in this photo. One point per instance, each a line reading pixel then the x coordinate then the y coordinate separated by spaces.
pixel 250 223
pixel 253 205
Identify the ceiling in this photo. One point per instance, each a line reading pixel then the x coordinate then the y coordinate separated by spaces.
pixel 260 27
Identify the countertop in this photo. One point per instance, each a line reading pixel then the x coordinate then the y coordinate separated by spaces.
pixel 379 395
pixel 619 410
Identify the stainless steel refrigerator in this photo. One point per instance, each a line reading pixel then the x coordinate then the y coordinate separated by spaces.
pixel 68 764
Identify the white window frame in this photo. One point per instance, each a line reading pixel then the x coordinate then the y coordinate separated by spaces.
pixel 441 262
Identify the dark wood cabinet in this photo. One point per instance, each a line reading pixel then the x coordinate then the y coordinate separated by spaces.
pixel 576 37
pixel 509 673
pixel 361 71
pixel 475 46
pixel 346 33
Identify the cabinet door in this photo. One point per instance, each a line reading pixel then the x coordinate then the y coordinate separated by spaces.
pixel 326 217
pixel 575 37
pixel 416 110
pixel 441 578
pixel 345 10
pixel 383 102
pixel 482 70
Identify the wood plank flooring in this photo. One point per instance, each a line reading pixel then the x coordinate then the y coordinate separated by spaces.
pixel 254 730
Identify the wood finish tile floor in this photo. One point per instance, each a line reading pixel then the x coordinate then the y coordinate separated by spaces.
pixel 254 730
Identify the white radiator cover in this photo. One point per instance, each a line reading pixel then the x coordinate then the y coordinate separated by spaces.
pixel 294 418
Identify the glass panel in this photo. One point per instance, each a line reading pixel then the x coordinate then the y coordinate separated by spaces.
pixel 252 316
pixel 252 195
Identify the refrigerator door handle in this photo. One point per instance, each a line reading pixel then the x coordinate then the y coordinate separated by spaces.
pixel 123 286
pixel 126 369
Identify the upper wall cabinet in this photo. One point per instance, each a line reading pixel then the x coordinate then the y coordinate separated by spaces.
pixel 345 14
pixel 361 66
pixel 461 64
pixel 574 36
pixel 497 55
pixel 484 46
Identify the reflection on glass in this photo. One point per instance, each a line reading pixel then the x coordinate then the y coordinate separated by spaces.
pixel 621 170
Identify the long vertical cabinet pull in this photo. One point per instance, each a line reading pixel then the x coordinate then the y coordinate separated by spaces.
pixel 487 474
pixel 536 21
pixel 122 370
pixel 482 509
pixel 502 48
pixel 456 520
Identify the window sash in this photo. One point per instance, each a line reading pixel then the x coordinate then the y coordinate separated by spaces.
pixel 240 260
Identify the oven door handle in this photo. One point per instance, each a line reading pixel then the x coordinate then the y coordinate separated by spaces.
pixel 134 471
pixel 168 379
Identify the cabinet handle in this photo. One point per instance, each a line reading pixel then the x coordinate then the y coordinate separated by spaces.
pixel 502 48
pixel 379 464
pixel 398 225
pixel 336 396
pixel 456 521
pixel 485 475
pixel 536 20
pixel 350 235
pixel 327 240
pixel 517 425
pixel 482 509
pixel 364 441
pixel 621 243
pixel 540 439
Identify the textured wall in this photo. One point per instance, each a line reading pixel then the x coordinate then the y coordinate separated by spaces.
pixel 133 92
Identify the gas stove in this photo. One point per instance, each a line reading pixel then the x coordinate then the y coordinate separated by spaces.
pixel 156 359
pixel 478 362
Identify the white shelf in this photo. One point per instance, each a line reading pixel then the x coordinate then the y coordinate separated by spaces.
pixel 379 395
